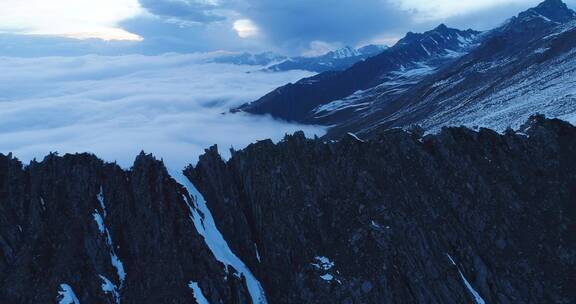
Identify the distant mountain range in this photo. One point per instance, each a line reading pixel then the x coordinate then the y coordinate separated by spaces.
pixel 336 60
pixel 445 77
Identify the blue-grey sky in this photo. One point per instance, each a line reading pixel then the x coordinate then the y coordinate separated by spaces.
pixel 33 27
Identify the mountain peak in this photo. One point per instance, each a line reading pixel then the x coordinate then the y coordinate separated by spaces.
pixel 442 27
pixel 551 10
pixel 441 30
pixel 345 52
pixel 552 4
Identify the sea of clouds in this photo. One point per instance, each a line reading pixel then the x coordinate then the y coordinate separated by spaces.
pixel 172 105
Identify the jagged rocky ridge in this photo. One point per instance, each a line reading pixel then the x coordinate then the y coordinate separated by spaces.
pixel 107 234
pixel 458 217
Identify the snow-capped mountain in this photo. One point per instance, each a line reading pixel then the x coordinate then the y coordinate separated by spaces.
pixel 336 60
pixel 339 59
pixel 390 72
pixel 494 79
pixel 527 66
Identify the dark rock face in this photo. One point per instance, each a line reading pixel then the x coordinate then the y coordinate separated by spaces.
pixel 458 217
pixel 555 10
pixel 109 234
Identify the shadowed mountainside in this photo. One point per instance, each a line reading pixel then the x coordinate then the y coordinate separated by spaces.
pixel 457 217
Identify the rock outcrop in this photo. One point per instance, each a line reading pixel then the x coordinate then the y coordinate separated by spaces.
pixel 107 234
pixel 458 217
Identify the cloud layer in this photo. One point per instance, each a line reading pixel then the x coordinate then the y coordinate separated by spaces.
pixel 169 105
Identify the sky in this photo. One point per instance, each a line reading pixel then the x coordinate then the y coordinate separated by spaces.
pixel 290 27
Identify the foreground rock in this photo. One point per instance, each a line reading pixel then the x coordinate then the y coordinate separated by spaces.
pixel 82 228
pixel 460 217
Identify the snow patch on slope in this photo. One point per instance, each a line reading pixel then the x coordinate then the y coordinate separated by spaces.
pixel 205 225
pixel 119 268
pixel 327 277
pixel 396 83
pixel 419 69
pixel 323 263
pixel 547 88
pixel 108 286
pixel 474 293
pixel 339 104
pixel 99 222
pixel 257 253
pixel 326 267
pixel 198 295
pixel 66 295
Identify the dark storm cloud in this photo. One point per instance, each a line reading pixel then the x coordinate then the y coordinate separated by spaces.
pixel 287 25
pixel 186 10
pixel 292 25
pixel 297 22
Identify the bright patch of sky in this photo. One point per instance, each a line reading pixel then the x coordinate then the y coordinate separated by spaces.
pixel 246 28
pixel 69 18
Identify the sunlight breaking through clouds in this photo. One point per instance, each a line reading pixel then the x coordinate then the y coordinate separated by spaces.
pixel 246 28
pixel 69 18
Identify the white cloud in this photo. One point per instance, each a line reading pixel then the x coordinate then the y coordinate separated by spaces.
pixel 169 105
pixel 246 28
pixel 70 18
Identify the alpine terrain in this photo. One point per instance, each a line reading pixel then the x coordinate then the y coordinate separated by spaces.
pixel 458 217
pixel 446 77
pixel 447 175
